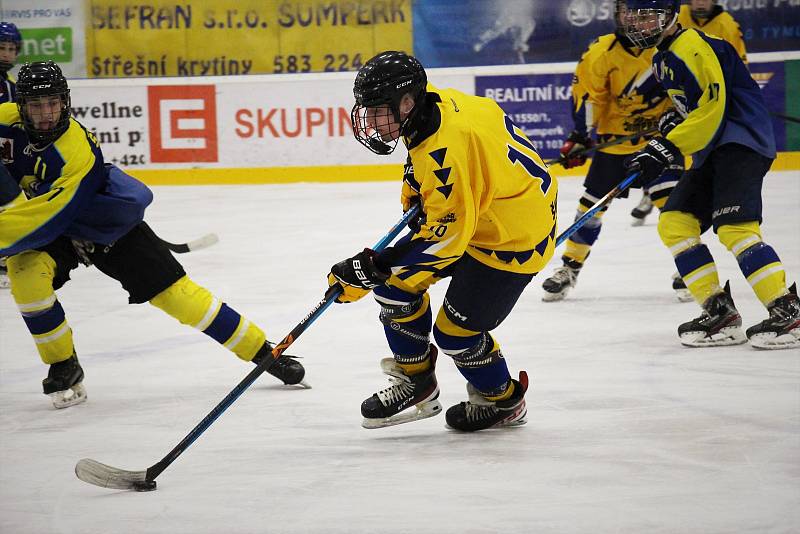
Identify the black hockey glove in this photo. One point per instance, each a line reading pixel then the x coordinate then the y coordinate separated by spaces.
pixel 574 148
pixel 651 161
pixel 357 275
pixel 668 121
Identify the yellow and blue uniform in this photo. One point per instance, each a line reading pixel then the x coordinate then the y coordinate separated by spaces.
pixel 76 209
pixel 490 224
pixel 8 88
pixel 727 131
pixel 615 94
pixel 720 24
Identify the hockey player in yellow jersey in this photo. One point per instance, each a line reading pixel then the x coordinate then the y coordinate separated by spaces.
pixel 614 94
pixel 722 121
pixel 488 223
pixel 710 18
pixel 10 46
pixel 75 209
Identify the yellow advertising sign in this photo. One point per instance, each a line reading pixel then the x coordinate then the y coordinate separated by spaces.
pixel 223 37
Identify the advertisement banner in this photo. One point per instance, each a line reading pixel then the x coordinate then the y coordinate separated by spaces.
pixel 232 37
pixel 502 32
pixel 540 104
pixel 772 80
pixel 254 122
pixel 51 32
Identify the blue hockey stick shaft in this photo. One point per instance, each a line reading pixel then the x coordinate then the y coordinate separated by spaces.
pixel 329 298
pixel 600 204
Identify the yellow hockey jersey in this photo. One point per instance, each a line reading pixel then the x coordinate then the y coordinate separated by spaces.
pixel 615 93
pixel 720 24
pixel 485 190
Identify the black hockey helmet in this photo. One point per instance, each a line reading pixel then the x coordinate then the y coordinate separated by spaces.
pixel 384 80
pixel 37 80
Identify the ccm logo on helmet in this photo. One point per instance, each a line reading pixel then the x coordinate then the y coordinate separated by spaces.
pixel 403 84
pixel 43 86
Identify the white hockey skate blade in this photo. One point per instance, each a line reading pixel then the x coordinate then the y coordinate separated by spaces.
pixel 69 397
pixel 554 297
pixel 732 335
pixel 683 295
pixel 771 341
pixel 636 221
pixel 423 411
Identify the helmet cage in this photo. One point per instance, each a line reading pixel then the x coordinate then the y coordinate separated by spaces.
pixel 37 80
pixel 645 26
pixel 378 90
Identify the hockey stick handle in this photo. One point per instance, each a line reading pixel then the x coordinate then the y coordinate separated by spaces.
pixel 787 118
pixel 330 296
pixel 601 146
pixel 600 204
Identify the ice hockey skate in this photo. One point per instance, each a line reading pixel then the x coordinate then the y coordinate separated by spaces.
pixel 719 325
pixel 286 368
pixel 4 282
pixel 64 383
pixel 479 414
pixel 642 210
pixel 681 291
pixel 782 329
pixel 563 279
pixel 393 405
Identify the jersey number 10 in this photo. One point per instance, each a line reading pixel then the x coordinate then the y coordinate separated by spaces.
pixel 527 160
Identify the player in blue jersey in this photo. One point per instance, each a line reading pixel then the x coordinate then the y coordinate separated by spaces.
pixel 75 209
pixel 722 121
pixel 10 45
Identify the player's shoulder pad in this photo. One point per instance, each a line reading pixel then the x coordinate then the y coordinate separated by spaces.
pixel 9 114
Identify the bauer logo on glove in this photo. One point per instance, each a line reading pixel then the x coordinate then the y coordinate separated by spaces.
pixel 357 276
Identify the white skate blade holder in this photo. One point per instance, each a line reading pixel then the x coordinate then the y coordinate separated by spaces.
pixel 423 410
pixel 69 397
pixel 771 341
pixel 727 336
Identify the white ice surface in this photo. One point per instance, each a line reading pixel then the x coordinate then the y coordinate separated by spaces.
pixel 628 431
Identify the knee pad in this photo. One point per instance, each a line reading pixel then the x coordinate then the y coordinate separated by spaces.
pixel 408 319
pixel 739 237
pixel 679 231
pixel 31 274
pixel 195 306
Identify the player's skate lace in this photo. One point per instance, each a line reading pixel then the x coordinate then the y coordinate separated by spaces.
pixel 401 389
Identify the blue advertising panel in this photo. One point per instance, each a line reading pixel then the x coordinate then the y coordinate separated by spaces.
pixel 540 104
pixel 771 77
pixel 502 32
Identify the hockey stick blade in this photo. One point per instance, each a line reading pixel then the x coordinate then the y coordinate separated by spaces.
pixel 203 242
pixel 105 476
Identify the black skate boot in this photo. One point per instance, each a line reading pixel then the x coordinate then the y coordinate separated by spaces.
pixel 558 285
pixel 642 210
pixel 64 383
pixel 420 390
pixel 479 414
pixel 782 329
pixel 681 291
pixel 720 324
pixel 285 368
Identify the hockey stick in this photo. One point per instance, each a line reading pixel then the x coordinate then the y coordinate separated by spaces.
pixel 617 141
pixel 786 117
pixel 600 204
pixel 181 248
pixel 105 476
